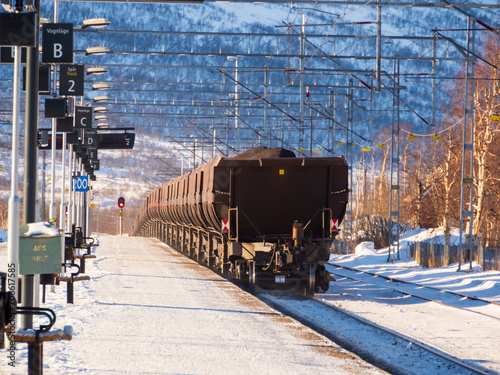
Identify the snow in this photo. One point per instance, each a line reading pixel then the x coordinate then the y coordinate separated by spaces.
pixel 148 309
pixel 43 228
pixel 484 285
pixel 470 334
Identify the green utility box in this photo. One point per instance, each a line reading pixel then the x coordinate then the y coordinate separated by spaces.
pixel 40 249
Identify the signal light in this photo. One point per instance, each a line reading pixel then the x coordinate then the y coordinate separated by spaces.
pixel 121 202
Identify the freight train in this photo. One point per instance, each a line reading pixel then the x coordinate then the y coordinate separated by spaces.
pixel 264 216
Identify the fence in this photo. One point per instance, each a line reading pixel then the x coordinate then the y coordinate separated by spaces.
pixel 341 247
pixel 430 255
pixel 491 259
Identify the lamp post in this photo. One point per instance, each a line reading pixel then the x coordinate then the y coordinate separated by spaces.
pixel 96 23
pixel 236 100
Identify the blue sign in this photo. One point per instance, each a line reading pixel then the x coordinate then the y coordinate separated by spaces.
pixel 80 183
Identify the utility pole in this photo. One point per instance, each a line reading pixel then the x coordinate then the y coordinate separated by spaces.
pixel 467 186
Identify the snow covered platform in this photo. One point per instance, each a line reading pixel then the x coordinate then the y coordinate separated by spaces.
pixel 149 310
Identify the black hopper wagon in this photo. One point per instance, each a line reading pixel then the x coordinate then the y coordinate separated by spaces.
pixel 264 216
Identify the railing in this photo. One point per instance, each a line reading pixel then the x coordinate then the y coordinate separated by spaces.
pixel 341 247
pixel 431 255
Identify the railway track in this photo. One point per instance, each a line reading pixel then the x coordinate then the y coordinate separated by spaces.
pixel 443 297
pixel 385 348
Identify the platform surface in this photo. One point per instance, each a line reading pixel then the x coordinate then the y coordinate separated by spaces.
pixel 149 310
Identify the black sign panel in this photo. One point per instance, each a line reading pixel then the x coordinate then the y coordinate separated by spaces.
pixel 92 154
pixel 71 139
pixel 83 117
pixel 94 164
pixel 71 80
pixel 110 141
pixel 43 79
pixel 90 139
pixel 79 150
pixel 57 43
pixel 7 55
pixel 17 29
pixel 55 108
pixel 64 125
pixel 116 141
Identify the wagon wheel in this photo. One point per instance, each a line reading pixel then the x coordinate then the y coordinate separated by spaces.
pixel 311 280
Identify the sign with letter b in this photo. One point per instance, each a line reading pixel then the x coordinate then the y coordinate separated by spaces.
pixel 57 43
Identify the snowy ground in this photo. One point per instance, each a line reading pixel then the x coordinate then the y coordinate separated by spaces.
pixel 463 334
pixel 150 310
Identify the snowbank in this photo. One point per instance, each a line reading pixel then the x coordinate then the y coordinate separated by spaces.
pixel 433 235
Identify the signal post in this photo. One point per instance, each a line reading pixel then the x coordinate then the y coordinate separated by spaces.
pixel 121 204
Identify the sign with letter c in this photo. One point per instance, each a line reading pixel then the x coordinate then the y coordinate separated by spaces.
pixel 83 117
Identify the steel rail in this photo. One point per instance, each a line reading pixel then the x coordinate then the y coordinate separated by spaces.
pixel 419 296
pixel 393 279
pixel 274 302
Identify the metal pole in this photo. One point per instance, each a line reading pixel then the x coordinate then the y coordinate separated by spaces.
pixel 468 148
pixel 265 105
pixel 394 179
pixel 121 222
pixel 227 137
pixel 44 178
pixel 301 79
pixel 62 212
pixel 13 215
pixel 70 195
pixel 378 56
pixel 434 80
pixel 236 102
pixel 52 209
pixel 31 162
pixel 311 134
